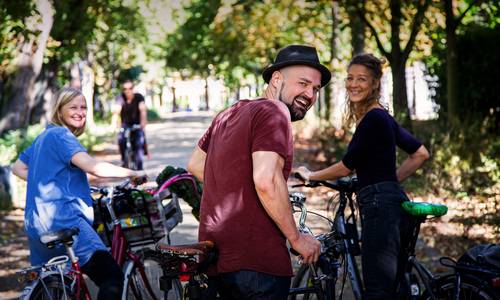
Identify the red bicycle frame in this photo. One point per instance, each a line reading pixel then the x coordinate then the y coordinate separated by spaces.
pixel 119 245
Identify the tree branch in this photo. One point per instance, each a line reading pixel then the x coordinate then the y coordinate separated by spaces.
pixel 362 16
pixel 462 15
pixel 419 17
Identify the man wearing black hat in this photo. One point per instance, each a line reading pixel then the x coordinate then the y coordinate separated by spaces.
pixel 244 159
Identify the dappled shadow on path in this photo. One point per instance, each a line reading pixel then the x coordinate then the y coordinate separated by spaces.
pixel 13 252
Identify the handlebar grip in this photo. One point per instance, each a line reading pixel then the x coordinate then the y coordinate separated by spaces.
pixel 294 252
pixel 140 180
pixel 298 176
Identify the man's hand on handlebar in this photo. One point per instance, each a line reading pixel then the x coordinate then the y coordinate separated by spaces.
pixel 308 247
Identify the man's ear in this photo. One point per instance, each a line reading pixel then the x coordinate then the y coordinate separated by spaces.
pixel 276 78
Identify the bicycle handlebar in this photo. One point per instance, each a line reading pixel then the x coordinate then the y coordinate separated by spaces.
pixel 173 179
pixel 344 184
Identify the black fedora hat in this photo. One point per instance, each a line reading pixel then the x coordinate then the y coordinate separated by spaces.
pixel 297 55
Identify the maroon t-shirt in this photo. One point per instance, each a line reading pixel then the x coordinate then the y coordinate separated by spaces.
pixel 231 213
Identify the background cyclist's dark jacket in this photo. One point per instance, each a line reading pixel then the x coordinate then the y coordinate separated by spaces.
pixel 372 151
pixel 130 114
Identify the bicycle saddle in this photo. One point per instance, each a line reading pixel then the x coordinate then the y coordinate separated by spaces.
pixel 422 209
pixel 50 239
pixel 201 248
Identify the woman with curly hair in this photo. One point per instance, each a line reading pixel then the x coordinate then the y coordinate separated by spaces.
pixel 371 154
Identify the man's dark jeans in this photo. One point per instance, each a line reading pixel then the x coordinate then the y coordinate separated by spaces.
pixel 385 228
pixel 249 285
pixel 138 140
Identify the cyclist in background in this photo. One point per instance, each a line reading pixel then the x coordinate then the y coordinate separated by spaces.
pixel 372 154
pixel 244 159
pixel 131 109
pixel 58 193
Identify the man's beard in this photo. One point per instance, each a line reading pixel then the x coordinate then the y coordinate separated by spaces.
pixel 296 114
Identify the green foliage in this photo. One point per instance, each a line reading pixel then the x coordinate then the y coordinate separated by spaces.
pixel 465 161
pixel 477 45
pixel 90 139
pixel 108 34
pixel 12 28
pixel 191 46
pixel 333 142
pixel 131 73
pixel 234 40
pixel 153 115
pixel 15 141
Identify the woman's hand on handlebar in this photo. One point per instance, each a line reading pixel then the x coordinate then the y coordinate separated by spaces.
pixel 303 172
pixel 139 177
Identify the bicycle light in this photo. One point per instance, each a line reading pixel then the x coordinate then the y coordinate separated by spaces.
pixel 27 276
pixel 495 282
pixel 184 276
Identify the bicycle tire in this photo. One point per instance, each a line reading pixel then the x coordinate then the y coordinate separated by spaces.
pixel 51 288
pixel 470 288
pixel 129 159
pixel 136 287
pixel 303 279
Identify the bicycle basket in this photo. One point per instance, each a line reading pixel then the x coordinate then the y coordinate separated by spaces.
pixel 134 209
pixel 185 189
pixel 486 255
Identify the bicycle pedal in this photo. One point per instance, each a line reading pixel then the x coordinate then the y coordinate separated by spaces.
pixel 321 277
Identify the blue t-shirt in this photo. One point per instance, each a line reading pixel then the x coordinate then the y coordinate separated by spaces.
pixel 372 150
pixel 58 195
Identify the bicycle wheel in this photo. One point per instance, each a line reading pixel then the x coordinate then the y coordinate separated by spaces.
pixel 49 287
pixel 129 158
pixel 471 288
pixel 136 286
pixel 304 279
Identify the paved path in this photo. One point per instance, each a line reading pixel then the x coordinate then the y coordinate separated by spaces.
pixel 171 142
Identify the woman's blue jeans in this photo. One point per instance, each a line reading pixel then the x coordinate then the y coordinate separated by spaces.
pixel 385 228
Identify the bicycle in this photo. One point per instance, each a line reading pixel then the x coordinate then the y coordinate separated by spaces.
pixel 341 245
pixel 142 271
pixel 51 280
pixel 186 263
pixel 467 281
pixel 130 151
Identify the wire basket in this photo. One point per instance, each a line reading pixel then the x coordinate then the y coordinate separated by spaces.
pixel 145 219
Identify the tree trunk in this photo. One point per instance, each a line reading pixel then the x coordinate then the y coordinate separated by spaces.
pixel 398 56
pixel 357 30
pixel 88 82
pixel 44 98
pixel 327 111
pixel 28 64
pixel 206 94
pixel 174 100
pixel 399 94
pixel 451 62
